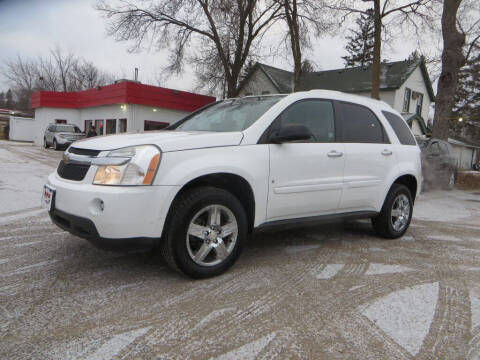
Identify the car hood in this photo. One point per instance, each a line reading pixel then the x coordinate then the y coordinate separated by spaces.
pixel 167 140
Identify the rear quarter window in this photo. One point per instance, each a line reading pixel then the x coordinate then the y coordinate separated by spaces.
pixel 401 128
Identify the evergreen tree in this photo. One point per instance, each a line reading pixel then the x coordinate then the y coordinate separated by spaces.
pixel 2 99
pixel 360 42
pixel 467 96
pixel 9 100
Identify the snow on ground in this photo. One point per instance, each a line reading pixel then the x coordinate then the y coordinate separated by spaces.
pixel 442 206
pixel 406 315
pixel 329 271
pixel 376 269
pixel 361 296
pixel 23 172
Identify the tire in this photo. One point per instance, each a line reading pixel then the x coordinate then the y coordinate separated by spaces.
pixel 450 181
pixel 208 254
pixel 45 143
pixel 385 224
pixel 55 145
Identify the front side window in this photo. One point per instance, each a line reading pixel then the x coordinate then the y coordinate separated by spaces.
pixel 401 128
pixel 360 125
pixel 229 115
pixel 316 115
pixel 406 100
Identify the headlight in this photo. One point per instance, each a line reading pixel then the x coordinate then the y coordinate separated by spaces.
pixel 62 136
pixel 139 168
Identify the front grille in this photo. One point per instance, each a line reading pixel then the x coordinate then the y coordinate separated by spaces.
pixel 75 172
pixel 86 152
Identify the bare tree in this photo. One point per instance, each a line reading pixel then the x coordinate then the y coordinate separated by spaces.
pixel 64 64
pixel 454 35
pixel 58 72
pixel 385 13
pixel 226 31
pixel 21 73
pixel 304 19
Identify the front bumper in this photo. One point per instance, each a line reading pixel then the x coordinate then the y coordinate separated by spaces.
pixel 85 228
pixel 63 141
pixel 110 215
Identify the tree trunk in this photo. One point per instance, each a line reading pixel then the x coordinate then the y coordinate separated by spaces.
pixel 232 82
pixel 291 16
pixel 376 51
pixel 452 61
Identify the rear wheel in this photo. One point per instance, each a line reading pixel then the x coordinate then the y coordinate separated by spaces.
pixel 396 213
pixel 205 232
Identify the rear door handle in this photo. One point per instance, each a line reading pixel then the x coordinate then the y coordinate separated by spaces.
pixel 386 152
pixel 334 153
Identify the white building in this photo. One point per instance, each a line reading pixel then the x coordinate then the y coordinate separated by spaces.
pixel 120 107
pixel 404 85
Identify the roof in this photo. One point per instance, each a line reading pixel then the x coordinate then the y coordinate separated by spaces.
pixel 456 140
pixel 409 117
pixel 281 79
pixel 356 79
pixel 359 79
pixel 126 92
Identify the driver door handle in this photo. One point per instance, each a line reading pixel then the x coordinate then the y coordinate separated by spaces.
pixel 334 153
pixel 387 152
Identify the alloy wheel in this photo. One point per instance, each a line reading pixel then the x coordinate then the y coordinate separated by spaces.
pixel 400 213
pixel 212 235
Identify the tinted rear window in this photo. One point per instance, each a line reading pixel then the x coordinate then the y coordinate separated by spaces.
pixel 360 125
pixel 401 128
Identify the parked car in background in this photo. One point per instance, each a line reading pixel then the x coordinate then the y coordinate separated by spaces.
pixel 237 165
pixel 61 135
pixel 439 164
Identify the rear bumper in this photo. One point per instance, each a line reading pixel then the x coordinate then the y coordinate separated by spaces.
pixel 85 228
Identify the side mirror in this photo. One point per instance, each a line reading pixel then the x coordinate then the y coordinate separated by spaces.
pixel 291 132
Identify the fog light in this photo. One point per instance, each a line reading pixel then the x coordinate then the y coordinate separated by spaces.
pixel 96 206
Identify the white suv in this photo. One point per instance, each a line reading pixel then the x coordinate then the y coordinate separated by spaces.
pixel 197 189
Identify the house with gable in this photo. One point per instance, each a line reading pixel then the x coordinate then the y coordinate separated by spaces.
pixel 404 85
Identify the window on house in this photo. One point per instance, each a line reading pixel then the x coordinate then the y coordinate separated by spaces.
pixel 99 127
pixel 122 125
pixel 419 104
pixel 60 121
pixel 88 125
pixel 406 100
pixel 111 126
pixel 360 125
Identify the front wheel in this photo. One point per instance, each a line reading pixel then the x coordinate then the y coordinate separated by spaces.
pixel 55 145
pixel 396 213
pixel 45 143
pixel 205 232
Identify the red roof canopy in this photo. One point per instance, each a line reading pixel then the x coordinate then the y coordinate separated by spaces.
pixel 126 92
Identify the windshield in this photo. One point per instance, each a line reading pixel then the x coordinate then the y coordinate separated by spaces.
pixel 230 114
pixel 65 128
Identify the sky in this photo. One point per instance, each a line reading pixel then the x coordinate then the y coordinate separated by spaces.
pixel 29 28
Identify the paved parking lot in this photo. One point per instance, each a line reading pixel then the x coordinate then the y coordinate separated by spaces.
pixel 326 292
